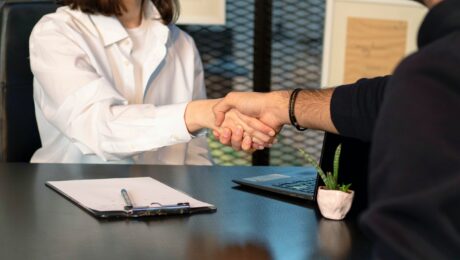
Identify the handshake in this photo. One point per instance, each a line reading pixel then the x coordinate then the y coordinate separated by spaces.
pixel 250 121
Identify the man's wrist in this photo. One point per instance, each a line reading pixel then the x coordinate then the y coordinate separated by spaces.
pixel 280 105
pixel 312 109
pixel 292 116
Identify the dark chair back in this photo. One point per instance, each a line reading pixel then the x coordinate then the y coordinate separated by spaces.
pixel 353 165
pixel 19 133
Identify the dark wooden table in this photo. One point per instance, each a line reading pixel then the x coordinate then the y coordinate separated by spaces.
pixel 38 223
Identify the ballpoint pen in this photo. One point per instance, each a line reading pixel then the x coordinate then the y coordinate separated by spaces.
pixel 129 204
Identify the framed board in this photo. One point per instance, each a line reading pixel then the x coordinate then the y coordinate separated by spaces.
pixel 203 12
pixel 367 38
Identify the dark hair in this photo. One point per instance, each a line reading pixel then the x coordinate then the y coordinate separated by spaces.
pixel 169 9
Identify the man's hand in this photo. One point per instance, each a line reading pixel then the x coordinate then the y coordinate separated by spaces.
pixel 272 107
pixel 312 109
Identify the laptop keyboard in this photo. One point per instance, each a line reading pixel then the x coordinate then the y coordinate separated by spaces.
pixel 307 186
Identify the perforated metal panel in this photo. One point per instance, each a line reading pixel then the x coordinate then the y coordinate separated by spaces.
pixel 228 57
pixel 227 54
pixel 297 31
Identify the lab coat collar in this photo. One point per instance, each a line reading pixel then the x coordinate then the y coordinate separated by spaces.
pixel 109 27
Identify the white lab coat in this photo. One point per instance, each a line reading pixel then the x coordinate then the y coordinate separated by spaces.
pixel 86 104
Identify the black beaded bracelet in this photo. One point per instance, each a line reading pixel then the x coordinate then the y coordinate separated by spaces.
pixel 291 110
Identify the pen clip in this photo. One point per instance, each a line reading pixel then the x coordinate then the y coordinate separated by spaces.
pixel 179 208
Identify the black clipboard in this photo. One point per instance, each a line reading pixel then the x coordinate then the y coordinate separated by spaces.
pixel 184 207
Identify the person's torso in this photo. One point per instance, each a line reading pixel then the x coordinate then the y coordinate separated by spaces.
pixel 415 157
pixel 165 76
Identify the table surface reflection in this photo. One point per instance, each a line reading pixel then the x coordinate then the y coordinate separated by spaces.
pixel 38 223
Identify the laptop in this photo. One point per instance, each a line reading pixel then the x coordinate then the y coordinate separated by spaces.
pixel 302 182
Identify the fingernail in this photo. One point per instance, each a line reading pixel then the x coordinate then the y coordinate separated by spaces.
pixel 260 147
pixel 226 133
pixel 272 133
pixel 239 130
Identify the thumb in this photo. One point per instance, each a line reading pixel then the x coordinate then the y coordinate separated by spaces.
pixel 219 111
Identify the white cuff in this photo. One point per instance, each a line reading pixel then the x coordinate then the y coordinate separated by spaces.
pixel 171 117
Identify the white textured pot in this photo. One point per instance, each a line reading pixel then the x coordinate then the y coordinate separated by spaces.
pixel 334 204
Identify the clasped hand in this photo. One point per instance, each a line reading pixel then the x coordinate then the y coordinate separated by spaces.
pixel 247 120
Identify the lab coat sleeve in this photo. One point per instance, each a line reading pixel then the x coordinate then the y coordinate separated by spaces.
pixel 87 108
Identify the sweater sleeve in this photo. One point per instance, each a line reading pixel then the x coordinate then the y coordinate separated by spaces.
pixel 355 107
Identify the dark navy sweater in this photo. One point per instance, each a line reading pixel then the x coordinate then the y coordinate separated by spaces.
pixel 412 120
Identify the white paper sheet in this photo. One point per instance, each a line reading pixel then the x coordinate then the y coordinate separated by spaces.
pixel 105 194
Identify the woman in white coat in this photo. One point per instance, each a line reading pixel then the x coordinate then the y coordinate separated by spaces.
pixel 116 81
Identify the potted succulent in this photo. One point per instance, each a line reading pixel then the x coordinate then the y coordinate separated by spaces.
pixel 334 200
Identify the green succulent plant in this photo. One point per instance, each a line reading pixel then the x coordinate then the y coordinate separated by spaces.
pixel 329 179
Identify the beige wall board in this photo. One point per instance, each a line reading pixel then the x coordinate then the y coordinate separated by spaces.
pixel 373 47
pixel 367 38
pixel 203 12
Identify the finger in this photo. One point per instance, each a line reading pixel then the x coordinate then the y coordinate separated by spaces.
pixel 220 116
pixel 237 138
pixel 247 144
pixel 225 136
pixel 259 126
pixel 216 133
pixel 261 138
pixel 256 124
pixel 256 128
pixel 257 141
pixel 248 130
pixel 257 146
pixel 262 143
pixel 220 109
